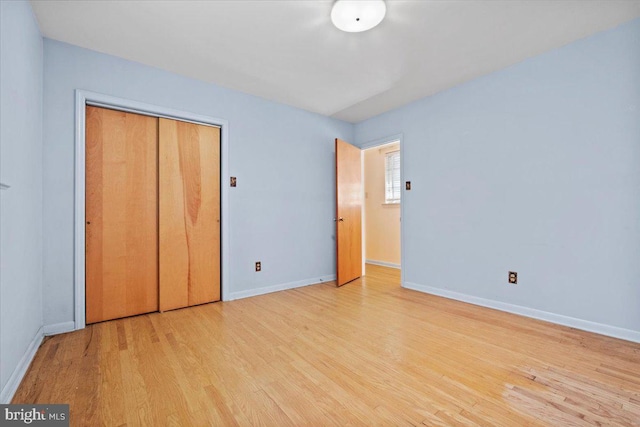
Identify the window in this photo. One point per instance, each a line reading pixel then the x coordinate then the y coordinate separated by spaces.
pixel 392 177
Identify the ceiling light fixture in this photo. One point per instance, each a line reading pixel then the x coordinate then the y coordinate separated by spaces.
pixel 354 16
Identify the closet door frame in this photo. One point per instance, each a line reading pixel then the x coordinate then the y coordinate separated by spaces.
pixel 84 98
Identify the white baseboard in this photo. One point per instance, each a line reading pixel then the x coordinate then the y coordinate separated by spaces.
pixel 382 263
pixel 59 328
pixel 280 287
pixel 16 377
pixel 585 325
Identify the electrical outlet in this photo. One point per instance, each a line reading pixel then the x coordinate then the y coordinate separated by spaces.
pixel 513 277
pixel 258 266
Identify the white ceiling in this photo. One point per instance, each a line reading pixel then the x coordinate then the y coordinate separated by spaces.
pixel 288 51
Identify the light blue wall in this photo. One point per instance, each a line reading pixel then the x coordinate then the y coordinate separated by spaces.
pixel 282 211
pixel 535 168
pixel 20 167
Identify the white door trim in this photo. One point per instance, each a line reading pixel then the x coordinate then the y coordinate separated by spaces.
pixel 83 98
pixel 377 143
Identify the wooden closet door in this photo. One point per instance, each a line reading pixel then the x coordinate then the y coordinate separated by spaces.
pixel 121 214
pixel 189 214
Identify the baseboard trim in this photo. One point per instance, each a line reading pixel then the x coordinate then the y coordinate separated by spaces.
pixel 59 328
pixel 280 287
pixel 9 390
pixel 382 263
pixel 585 325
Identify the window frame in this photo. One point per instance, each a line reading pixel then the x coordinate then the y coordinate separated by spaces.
pixel 392 178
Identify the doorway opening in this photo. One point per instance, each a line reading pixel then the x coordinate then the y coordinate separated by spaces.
pixel 369 240
pixel 382 203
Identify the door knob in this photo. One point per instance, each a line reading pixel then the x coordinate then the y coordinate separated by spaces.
pixel 340 219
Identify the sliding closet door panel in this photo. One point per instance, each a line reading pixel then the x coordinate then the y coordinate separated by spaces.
pixel 189 168
pixel 121 214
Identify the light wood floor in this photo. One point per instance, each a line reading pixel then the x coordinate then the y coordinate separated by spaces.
pixel 369 353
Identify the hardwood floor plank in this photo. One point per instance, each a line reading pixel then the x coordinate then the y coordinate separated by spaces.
pixel 368 353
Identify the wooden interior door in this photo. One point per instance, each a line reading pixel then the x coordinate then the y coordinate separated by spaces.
pixel 189 214
pixel 121 228
pixel 348 212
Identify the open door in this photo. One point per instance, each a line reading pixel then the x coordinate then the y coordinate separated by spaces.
pixel 348 212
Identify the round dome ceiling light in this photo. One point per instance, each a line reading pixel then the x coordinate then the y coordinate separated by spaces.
pixel 354 16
